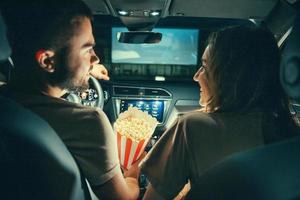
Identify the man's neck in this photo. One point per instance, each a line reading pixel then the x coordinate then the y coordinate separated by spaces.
pixel 36 85
pixel 53 91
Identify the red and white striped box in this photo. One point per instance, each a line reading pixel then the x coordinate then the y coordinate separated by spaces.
pixel 134 129
pixel 130 150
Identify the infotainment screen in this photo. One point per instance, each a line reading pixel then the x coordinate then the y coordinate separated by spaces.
pixel 153 107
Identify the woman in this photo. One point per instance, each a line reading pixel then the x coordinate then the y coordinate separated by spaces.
pixel 243 106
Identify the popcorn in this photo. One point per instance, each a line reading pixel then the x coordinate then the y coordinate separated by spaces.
pixel 134 129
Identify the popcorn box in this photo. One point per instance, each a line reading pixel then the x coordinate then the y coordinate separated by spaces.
pixel 133 130
pixel 129 150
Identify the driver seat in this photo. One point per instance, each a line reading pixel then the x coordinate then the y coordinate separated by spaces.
pixel 34 164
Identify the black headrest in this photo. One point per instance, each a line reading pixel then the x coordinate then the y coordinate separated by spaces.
pixel 5 50
pixel 290 63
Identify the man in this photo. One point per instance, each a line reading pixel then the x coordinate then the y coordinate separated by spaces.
pixel 53 52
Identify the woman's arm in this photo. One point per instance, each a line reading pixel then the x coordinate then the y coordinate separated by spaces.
pixel 151 194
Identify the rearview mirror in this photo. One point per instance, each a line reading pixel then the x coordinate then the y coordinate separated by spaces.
pixel 139 37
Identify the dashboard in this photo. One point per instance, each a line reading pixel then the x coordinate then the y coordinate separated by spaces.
pixel 164 101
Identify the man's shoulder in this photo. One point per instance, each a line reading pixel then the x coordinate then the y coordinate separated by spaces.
pixel 50 105
pixel 68 107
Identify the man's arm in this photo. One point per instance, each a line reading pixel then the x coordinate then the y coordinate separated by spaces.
pixel 119 187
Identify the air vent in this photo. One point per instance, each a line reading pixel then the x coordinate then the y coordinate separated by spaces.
pixel 141 92
pixel 126 91
pixel 156 92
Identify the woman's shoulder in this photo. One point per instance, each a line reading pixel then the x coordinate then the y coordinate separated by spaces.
pixel 197 116
pixel 218 118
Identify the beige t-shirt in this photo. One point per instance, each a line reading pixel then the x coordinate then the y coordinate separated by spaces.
pixel 195 143
pixel 85 131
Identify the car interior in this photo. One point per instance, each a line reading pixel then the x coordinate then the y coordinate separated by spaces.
pixel 152 49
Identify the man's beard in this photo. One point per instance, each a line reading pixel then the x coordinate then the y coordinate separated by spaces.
pixel 64 78
pixel 70 85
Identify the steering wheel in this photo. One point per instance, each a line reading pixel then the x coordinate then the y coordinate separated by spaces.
pixel 92 97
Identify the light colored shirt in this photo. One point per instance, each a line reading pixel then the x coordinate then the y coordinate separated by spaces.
pixel 86 132
pixel 195 143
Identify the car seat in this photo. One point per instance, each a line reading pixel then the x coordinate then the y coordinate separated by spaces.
pixel 266 173
pixel 271 172
pixel 5 52
pixel 34 162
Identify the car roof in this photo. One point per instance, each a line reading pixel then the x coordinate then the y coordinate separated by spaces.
pixel 243 9
pixel 205 14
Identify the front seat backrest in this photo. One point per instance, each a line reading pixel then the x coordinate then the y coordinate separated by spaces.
pixel 266 173
pixel 34 163
pixel 5 52
pixel 5 49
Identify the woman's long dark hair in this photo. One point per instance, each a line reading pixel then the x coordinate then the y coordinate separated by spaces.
pixel 244 73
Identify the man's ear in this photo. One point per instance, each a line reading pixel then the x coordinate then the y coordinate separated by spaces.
pixel 45 59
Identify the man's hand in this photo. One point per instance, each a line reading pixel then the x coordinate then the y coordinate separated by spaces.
pixel 99 72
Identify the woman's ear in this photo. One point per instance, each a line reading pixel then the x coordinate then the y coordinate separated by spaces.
pixel 45 59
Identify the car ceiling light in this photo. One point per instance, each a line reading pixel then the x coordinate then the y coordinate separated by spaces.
pixel 154 13
pixel 123 12
pixel 160 78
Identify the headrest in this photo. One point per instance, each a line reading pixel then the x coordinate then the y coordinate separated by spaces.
pixel 5 50
pixel 290 63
